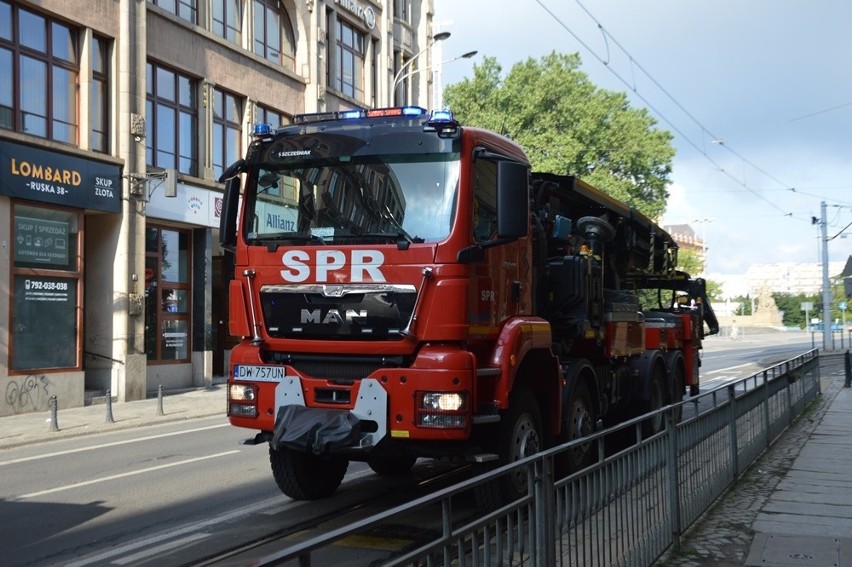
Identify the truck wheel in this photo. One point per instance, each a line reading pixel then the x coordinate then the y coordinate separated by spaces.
pixel 579 421
pixel 518 435
pixel 304 476
pixel 656 400
pixel 391 465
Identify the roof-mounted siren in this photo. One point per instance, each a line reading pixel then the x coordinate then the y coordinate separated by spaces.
pixel 443 122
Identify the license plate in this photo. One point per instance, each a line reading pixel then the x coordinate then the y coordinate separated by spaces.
pixel 258 373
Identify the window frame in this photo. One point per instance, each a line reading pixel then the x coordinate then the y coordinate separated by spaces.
pixel 184 9
pixel 269 13
pixel 230 27
pixel 100 82
pixel 161 316
pixel 56 56
pixel 226 125
pixel 348 55
pixel 73 272
pixel 182 135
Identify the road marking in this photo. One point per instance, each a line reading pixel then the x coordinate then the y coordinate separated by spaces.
pixel 122 475
pixel 728 369
pixel 248 510
pixel 160 549
pixel 113 444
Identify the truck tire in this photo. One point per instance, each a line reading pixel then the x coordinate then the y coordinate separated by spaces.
pixel 579 421
pixel 657 398
pixel 391 465
pixel 518 435
pixel 305 476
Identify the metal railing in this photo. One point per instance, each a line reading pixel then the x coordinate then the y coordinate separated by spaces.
pixel 627 509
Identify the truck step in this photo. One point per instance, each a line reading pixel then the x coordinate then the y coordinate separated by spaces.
pixel 484 457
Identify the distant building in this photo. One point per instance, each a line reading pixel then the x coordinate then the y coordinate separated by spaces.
pixel 785 277
pixel 685 237
pixel 789 277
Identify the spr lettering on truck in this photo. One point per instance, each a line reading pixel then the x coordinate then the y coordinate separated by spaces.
pixel 329 265
pixel 430 297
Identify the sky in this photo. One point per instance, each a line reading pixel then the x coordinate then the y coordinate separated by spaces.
pixel 757 93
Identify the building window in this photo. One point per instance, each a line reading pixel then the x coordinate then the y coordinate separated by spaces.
pixel 45 289
pixel 39 61
pixel 349 78
pixel 272 117
pixel 273 35
pixel 184 9
pixel 228 20
pixel 167 294
pixel 172 107
pixel 99 103
pixel 400 10
pixel 227 130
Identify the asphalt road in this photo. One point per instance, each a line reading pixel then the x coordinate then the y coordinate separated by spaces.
pixel 185 490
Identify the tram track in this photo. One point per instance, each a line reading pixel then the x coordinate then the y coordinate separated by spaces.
pixel 371 501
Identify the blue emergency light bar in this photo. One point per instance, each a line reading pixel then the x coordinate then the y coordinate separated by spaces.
pixel 262 129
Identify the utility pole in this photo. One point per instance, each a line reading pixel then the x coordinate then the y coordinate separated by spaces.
pixel 826 286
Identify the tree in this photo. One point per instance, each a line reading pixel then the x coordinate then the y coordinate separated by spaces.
pixel 791 305
pixel 566 125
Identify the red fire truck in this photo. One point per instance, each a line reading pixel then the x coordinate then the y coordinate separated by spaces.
pixel 404 287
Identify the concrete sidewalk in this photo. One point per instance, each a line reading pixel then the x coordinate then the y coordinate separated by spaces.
pixel 793 507
pixel 29 428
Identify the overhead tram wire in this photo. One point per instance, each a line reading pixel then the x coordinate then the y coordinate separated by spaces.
pixel 700 150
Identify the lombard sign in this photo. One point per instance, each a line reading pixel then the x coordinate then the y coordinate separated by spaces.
pixel 60 179
pixel 368 15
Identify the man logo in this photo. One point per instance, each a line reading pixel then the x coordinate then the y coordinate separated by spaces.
pixel 332 317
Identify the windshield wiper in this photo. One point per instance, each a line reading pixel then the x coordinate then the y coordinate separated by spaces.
pixel 399 237
pixel 274 240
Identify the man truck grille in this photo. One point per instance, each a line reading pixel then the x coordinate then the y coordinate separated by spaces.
pixel 351 311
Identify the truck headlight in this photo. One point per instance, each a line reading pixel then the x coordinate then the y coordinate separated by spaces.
pixel 242 392
pixel 442 410
pixel 444 401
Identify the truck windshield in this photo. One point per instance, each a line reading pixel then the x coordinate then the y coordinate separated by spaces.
pixel 353 199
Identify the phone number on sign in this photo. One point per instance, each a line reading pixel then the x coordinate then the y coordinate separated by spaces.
pixel 51 286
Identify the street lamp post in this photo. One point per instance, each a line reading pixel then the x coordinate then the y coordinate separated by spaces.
pixel 467 55
pixel 402 70
pixel 703 243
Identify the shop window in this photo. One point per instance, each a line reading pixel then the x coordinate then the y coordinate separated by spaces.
pixel 168 302
pixel 172 107
pixel 46 294
pixel 39 61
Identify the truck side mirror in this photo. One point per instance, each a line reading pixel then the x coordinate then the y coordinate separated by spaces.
pixel 228 220
pixel 230 205
pixel 512 200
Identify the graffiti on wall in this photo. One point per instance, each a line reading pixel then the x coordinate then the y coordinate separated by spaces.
pixel 28 394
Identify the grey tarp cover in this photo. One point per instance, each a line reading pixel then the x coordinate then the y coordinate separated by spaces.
pixel 315 430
